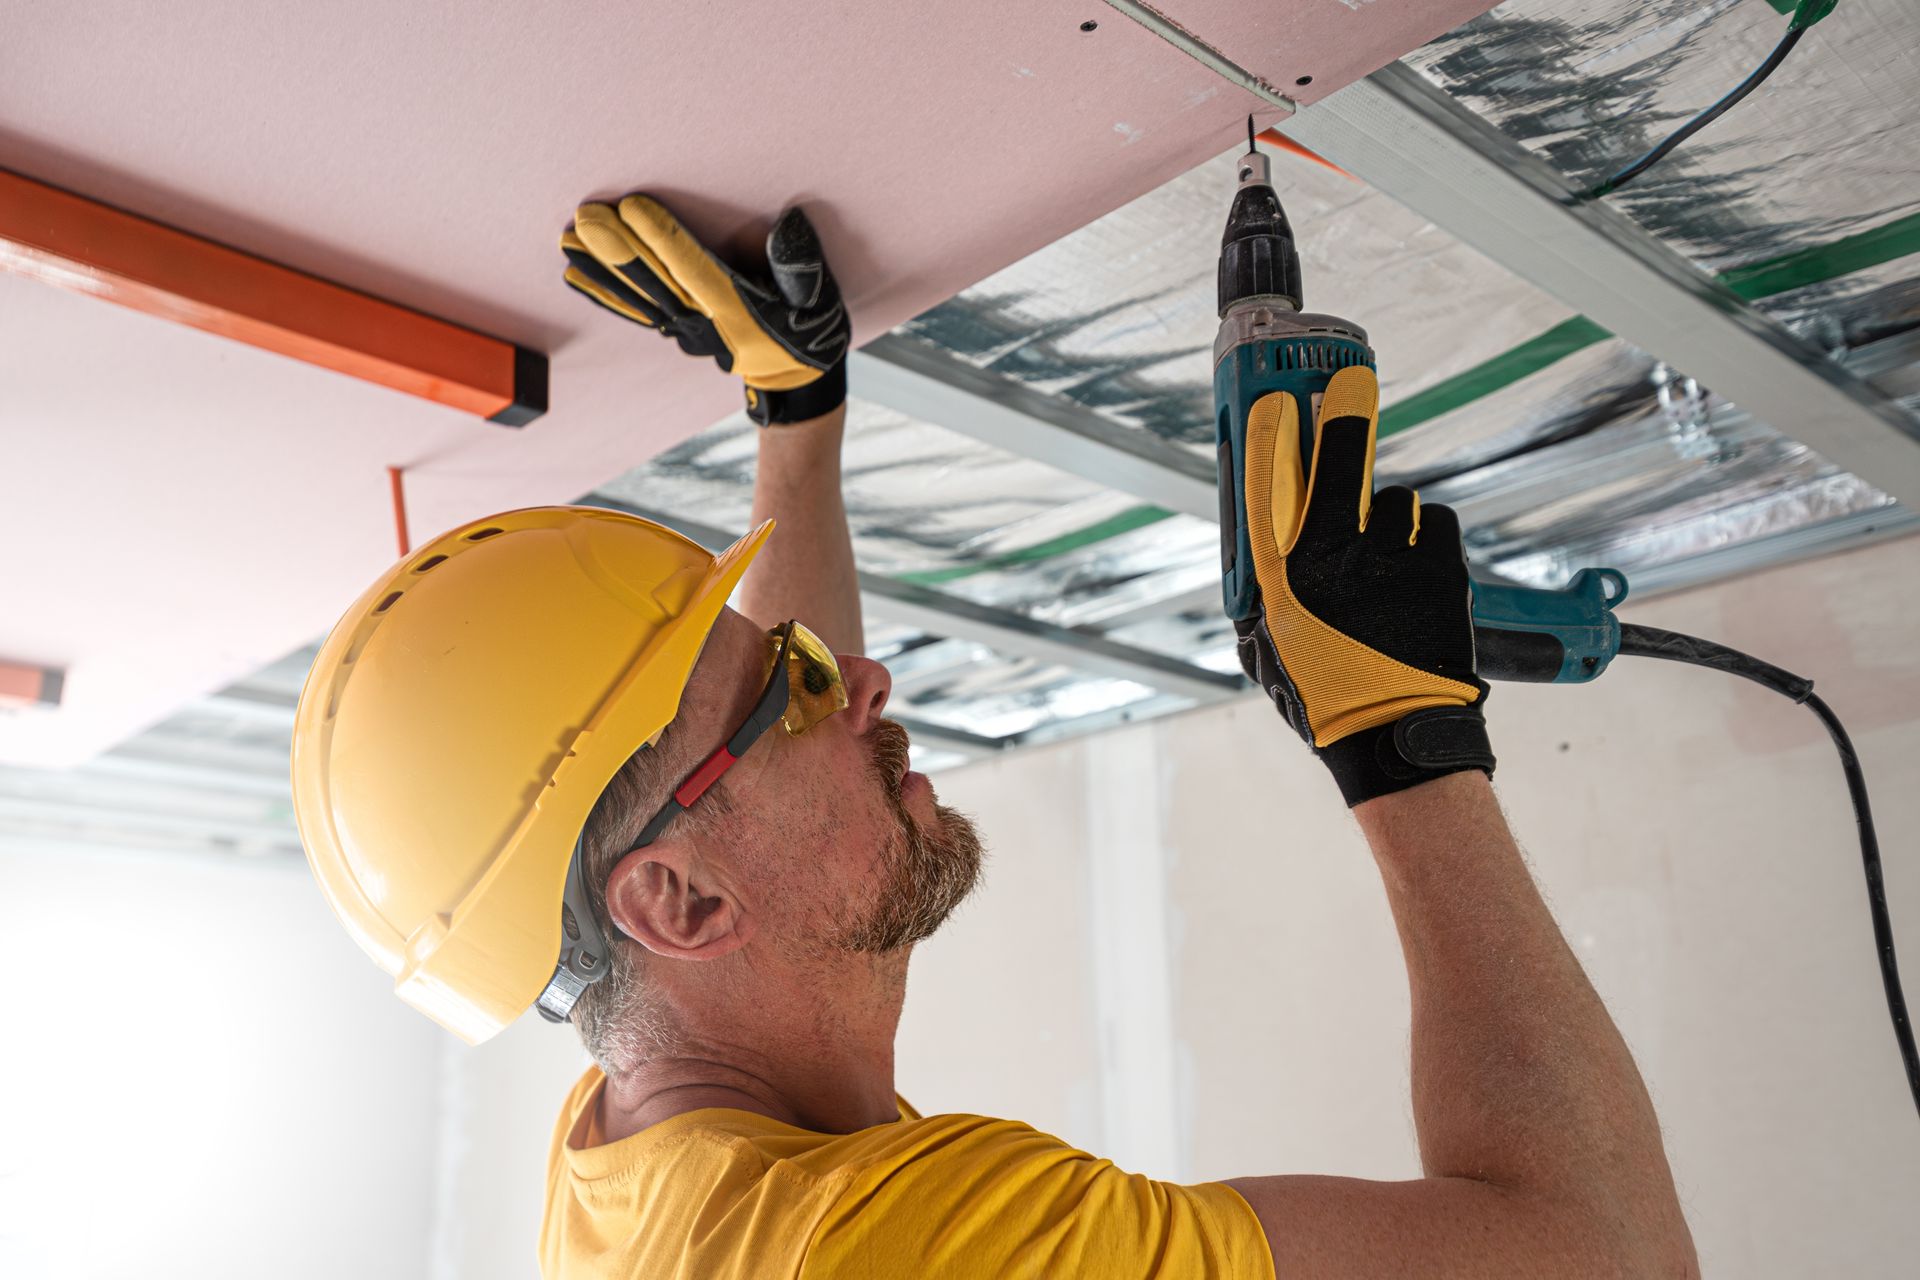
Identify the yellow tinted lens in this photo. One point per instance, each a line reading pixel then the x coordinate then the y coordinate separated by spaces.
pixel 815 687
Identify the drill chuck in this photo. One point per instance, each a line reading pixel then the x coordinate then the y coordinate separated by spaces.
pixel 1257 255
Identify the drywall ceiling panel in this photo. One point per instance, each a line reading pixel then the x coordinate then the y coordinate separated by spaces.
pixel 1308 48
pixel 195 508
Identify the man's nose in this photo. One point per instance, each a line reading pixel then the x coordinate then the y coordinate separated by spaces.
pixel 868 685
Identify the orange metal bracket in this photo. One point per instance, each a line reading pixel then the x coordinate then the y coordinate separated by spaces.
pixel 22 685
pixel 1275 138
pixel 400 531
pixel 92 248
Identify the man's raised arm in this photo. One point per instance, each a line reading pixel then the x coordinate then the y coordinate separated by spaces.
pixel 1542 1153
pixel 1540 1145
pixel 806 571
pixel 783 332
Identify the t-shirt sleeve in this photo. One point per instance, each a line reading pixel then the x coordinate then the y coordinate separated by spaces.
pixel 965 1196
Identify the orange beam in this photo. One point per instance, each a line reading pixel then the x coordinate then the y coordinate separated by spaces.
pixel 79 244
pixel 22 685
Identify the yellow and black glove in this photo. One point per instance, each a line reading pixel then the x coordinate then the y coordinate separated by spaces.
pixel 786 337
pixel 1364 632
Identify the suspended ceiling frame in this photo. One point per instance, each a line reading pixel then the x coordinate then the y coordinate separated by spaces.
pixel 1010 633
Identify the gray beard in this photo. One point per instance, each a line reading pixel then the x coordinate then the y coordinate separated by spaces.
pixel 929 870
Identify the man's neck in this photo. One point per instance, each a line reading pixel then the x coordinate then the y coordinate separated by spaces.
pixel 831 1073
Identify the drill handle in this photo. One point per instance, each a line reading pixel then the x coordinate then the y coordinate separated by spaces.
pixel 1548 637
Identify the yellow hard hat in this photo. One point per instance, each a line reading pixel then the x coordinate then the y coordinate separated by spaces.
pixel 458 726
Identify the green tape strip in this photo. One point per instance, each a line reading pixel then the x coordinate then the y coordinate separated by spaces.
pixel 1489 376
pixel 1823 262
pixel 1112 527
pixel 1766 279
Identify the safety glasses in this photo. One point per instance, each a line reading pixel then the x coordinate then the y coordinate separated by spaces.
pixel 804 687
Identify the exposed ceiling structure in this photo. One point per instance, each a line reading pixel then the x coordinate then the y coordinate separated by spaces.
pixel 1029 473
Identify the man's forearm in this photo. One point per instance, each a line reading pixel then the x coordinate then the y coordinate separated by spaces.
pixel 1520 1078
pixel 806 571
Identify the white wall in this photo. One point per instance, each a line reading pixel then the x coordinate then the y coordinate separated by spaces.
pixel 203 1077
pixel 1182 959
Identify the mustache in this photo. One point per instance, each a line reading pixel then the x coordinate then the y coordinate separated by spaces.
pixel 889 747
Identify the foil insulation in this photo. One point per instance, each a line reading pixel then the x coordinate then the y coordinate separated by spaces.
pixel 1822 151
pixel 937 509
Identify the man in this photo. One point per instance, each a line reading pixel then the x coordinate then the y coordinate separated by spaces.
pixel 540 762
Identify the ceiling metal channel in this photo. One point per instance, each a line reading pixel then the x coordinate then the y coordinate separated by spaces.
pixel 921 381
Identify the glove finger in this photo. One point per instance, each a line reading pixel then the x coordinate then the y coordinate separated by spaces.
pixel 587 276
pixel 1275 491
pixel 615 246
pixel 1437 526
pixel 1340 486
pixel 698 337
pixel 798 263
pixel 594 293
pixel 1394 516
pixel 699 278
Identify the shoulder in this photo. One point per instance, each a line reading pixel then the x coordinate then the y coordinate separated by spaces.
pixel 973 1195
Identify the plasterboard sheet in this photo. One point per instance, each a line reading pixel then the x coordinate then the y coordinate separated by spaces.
pixel 1305 48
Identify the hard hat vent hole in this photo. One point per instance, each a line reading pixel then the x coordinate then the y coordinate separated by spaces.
pixel 428 563
pixel 481 534
pixel 387 604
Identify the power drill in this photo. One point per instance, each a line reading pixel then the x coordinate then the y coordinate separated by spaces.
pixel 1268 344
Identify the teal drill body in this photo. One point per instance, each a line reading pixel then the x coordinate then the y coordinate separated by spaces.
pixel 1267 344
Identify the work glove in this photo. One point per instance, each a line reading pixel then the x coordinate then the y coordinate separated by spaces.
pixel 1363 630
pixel 785 336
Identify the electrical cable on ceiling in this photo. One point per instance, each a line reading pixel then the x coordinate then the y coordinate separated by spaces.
pixel 1652 642
pixel 1805 14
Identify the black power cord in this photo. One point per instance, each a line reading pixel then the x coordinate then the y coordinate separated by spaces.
pixel 1652 642
pixel 1805 14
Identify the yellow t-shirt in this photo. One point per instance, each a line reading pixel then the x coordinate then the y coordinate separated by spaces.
pixel 718 1194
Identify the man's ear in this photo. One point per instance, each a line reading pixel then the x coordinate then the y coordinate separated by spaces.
pixel 662 898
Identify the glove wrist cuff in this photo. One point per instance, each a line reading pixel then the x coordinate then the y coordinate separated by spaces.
pixel 821 396
pixel 1413 749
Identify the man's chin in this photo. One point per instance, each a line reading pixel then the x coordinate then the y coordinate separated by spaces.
pixel 938 869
